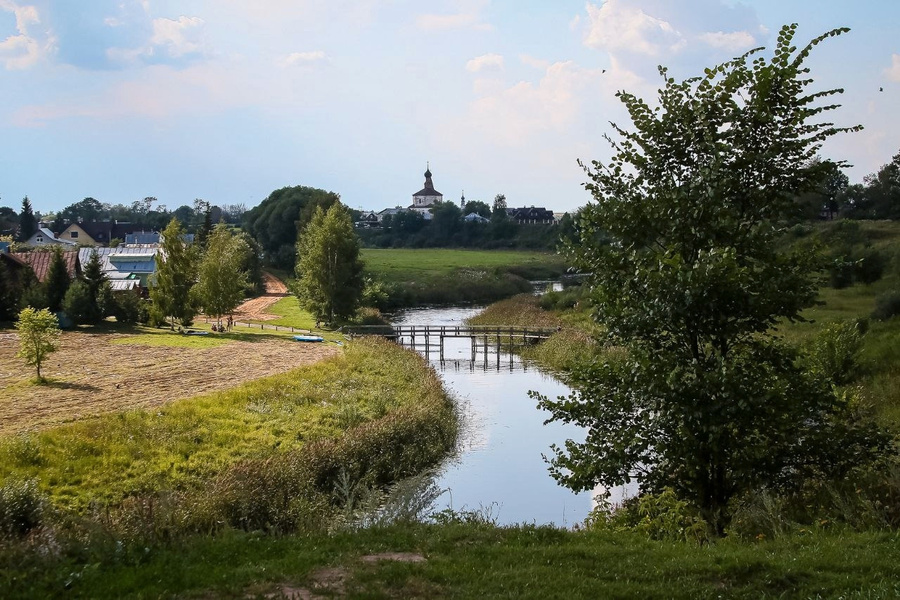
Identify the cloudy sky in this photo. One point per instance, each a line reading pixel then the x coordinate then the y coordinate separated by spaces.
pixel 228 100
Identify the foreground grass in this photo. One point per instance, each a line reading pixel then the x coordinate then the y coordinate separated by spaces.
pixel 471 560
pixel 182 444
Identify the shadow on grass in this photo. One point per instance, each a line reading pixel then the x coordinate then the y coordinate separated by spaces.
pixel 62 385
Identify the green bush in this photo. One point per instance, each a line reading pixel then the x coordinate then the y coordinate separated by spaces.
pixel 126 307
pixel 887 305
pixel 834 353
pixel 661 516
pixel 22 507
pixel 870 267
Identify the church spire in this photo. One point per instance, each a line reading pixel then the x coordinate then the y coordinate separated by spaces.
pixel 429 185
pixel 462 200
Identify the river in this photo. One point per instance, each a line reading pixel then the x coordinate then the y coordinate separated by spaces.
pixel 499 466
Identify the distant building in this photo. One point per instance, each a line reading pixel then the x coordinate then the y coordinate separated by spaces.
pixel 426 198
pixel 44 237
pixel 125 267
pixel 97 233
pixel 531 215
pixel 39 261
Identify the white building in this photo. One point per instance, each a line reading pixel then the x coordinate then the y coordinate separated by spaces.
pixel 426 198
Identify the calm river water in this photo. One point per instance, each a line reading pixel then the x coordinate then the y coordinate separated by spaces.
pixel 499 464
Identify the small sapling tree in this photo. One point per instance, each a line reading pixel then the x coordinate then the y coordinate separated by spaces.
pixel 38 334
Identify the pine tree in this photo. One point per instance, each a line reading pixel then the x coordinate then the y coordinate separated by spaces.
pixel 57 282
pixel 28 224
pixel 176 274
pixel 94 278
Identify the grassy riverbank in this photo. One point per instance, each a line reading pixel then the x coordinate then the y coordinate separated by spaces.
pixel 283 454
pixel 475 560
pixel 444 276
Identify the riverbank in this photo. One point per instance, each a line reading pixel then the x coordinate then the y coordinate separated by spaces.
pixel 439 276
pixel 295 452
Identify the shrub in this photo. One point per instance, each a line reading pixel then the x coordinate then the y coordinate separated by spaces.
pixel 22 507
pixel 659 516
pixel 870 267
pixel 887 305
pixel 126 307
pixel 834 354
pixel 78 304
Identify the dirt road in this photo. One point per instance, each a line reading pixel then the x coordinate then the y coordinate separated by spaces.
pixel 255 308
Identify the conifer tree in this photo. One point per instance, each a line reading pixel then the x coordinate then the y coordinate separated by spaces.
pixel 57 282
pixel 176 273
pixel 28 224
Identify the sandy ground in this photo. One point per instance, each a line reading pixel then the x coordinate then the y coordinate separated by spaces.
pixel 255 308
pixel 90 375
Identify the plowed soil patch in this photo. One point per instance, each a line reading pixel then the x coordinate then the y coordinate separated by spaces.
pixel 91 375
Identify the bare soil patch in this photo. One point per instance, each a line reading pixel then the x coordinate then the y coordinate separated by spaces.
pixel 255 308
pixel 90 375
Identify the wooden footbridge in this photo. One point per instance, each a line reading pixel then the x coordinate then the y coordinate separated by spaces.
pixel 430 338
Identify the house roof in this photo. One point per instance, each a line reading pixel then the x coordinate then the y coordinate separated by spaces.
pixel 40 262
pixel 51 237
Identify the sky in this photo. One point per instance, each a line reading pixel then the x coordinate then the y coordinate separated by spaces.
pixel 228 100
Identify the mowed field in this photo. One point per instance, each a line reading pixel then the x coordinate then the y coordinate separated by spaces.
pixel 94 373
pixel 405 264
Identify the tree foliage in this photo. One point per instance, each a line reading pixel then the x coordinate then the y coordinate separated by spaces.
pixel 221 281
pixel 176 274
pixel 95 280
pixel 38 333
pixel 278 218
pixel 28 224
pixel 695 392
pixel 57 282
pixel 329 270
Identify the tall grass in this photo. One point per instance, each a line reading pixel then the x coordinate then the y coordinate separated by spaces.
pixel 184 445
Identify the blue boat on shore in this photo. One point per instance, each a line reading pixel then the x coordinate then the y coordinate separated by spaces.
pixel 308 338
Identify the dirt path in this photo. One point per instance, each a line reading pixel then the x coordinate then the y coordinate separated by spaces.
pixel 255 308
pixel 99 373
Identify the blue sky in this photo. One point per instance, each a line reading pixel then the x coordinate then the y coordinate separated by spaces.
pixel 227 100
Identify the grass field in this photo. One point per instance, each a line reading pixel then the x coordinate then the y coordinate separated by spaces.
pixel 102 371
pixel 400 265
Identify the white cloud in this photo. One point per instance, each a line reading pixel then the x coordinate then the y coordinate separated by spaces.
pixel 23 50
pixel 533 62
pixel 734 41
pixel 485 62
pixel 468 16
pixel 170 38
pixel 893 72
pixel 302 58
pixel 617 26
pixel 175 35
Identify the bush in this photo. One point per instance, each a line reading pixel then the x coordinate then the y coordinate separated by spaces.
pixel 126 307
pixel 77 303
pixel 659 516
pixel 887 305
pixel 22 507
pixel 870 268
pixel 834 354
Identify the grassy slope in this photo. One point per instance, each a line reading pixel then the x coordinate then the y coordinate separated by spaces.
pixel 401 265
pixel 186 442
pixel 477 561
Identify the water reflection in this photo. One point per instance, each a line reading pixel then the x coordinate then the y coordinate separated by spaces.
pixel 500 462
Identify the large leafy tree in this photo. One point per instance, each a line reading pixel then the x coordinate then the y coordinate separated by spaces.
pixel 221 280
pixel 695 392
pixel 277 220
pixel 329 270
pixel 176 274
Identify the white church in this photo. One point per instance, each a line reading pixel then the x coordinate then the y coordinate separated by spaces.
pixel 426 198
